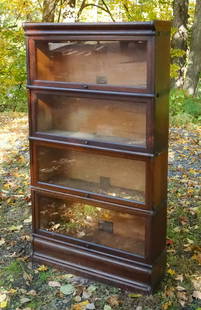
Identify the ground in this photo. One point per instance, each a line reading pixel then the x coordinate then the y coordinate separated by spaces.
pixel 24 286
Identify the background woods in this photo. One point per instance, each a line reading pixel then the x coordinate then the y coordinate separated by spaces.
pixel 25 286
pixel 185 52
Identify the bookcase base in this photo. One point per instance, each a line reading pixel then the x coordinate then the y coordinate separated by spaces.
pixel 132 276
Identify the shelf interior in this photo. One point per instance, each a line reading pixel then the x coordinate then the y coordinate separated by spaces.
pixel 94 224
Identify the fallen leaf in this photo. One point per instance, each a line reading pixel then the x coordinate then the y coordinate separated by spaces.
pixel 171 272
pixel 15 228
pixel 179 277
pixel 132 295
pixel 24 300
pixel 180 288
pixel 27 276
pixel 42 268
pixel 12 291
pixel 2 241
pixel 90 306
pixel 67 289
pixel 28 220
pixel 91 288
pixel 32 293
pixel 107 307
pixel 54 284
pixel 3 304
pixel 77 298
pixel 113 300
pixel 3 297
pixel 197 294
pixel 86 294
pixel 81 306
pixel 166 305
pixel 197 257
pixel 26 237
pixel 169 242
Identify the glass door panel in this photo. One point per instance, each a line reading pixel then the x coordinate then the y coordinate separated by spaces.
pixel 94 224
pixel 111 176
pixel 118 63
pixel 88 118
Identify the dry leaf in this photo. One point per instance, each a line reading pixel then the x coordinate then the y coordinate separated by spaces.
pixel 166 305
pixel 107 307
pixel 67 289
pixel 197 257
pixel 2 297
pixel 27 277
pixel 12 291
pixel 113 300
pixel 26 237
pixel 197 294
pixel 90 307
pixel 2 241
pixel 42 268
pixel 171 272
pixel 86 294
pixel 180 288
pixel 132 295
pixel 24 300
pixel 3 304
pixel 54 284
pixel 32 293
pixel 179 277
pixel 81 306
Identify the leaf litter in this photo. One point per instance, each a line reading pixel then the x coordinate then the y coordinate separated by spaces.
pixel 24 285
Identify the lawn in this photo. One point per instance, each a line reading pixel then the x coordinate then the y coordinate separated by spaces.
pixel 25 286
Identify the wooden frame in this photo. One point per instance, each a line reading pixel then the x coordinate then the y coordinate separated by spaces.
pixel 121 97
pixel 125 269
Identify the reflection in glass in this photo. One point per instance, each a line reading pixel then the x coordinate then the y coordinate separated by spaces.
pixel 92 119
pixel 93 62
pixel 87 222
pixel 101 174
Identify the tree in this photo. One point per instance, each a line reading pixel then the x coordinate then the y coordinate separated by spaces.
pixel 179 39
pixel 49 8
pixel 194 59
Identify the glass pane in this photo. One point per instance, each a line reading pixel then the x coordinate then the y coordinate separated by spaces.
pixel 87 222
pixel 101 174
pixel 92 119
pixel 93 62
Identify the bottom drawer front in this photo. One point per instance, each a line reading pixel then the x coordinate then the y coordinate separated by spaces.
pixel 93 224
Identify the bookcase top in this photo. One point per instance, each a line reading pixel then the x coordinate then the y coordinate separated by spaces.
pixel 127 27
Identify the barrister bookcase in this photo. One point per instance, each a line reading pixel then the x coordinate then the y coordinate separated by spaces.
pixel 98 111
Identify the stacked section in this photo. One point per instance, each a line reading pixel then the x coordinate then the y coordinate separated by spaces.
pixel 98 110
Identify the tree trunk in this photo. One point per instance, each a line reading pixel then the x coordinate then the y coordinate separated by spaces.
pixel 194 61
pixel 179 40
pixel 49 7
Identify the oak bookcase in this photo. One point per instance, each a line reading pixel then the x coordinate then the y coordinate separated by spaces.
pixel 98 112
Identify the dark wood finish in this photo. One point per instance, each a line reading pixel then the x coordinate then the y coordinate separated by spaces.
pixel 98 145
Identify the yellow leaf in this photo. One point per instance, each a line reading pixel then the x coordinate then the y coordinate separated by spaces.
pixel 171 272
pixel 12 291
pixel 3 304
pixel 197 257
pixel 42 268
pixel 134 295
pixel 166 305
pixel 81 306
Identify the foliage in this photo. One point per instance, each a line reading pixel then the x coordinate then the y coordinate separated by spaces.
pixel 184 108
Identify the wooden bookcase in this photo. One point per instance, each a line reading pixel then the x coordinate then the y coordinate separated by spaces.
pixel 98 111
